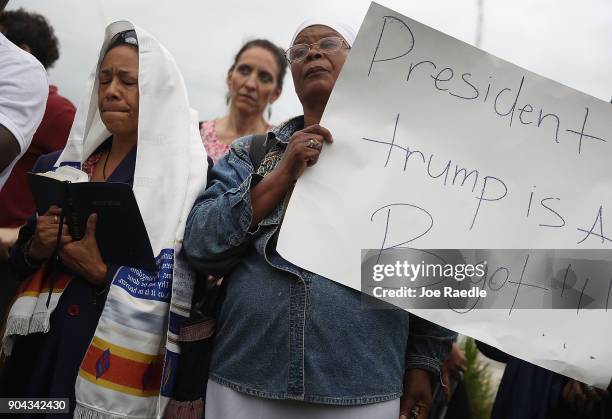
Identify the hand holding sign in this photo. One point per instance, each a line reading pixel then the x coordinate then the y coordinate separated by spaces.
pixel 303 150
pixel 439 145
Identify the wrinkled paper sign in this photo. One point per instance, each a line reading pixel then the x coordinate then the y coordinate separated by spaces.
pixel 440 145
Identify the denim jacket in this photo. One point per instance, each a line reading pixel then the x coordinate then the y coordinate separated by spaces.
pixel 284 332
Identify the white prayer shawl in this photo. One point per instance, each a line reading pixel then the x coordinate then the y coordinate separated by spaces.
pixel 140 319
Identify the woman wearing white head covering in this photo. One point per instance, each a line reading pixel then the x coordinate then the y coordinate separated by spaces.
pixel 290 343
pixel 105 335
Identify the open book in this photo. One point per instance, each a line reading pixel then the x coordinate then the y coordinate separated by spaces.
pixel 120 231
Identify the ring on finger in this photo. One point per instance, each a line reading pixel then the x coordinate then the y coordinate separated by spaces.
pixel 312 143
pixel 55 219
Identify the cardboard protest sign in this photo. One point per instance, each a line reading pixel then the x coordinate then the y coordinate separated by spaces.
pixel 439 145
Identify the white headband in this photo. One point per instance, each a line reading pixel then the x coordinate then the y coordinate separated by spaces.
pixel 342 28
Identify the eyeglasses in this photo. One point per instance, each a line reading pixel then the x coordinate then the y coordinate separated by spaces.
pixel 329 45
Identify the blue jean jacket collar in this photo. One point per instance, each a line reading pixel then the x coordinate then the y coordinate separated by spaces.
pixel 285 130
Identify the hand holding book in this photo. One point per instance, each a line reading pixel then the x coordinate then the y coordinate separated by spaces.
pixel 120 237
pixel 83 257
pixel 44 240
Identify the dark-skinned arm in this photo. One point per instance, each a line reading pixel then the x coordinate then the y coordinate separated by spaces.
pixel 225 216
pixel 9 148
pixel 302 151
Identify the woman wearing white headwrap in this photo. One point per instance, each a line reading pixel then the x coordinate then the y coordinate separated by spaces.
pixel 290 343
pixel 105 335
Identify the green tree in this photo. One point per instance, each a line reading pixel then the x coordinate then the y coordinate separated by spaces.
pixel 478 381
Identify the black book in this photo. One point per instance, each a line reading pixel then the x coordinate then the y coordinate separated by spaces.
pixel 120 231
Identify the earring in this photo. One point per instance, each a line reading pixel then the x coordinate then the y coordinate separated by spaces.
pixel 269 111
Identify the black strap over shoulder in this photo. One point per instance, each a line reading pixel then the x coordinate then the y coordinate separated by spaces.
pixel 259 148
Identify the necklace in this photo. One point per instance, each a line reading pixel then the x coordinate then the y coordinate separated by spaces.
pixel 106 161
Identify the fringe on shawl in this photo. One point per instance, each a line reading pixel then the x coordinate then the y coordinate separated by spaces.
pixel 85 412
pixel 41 322
pixel 14 326
pixel 24 325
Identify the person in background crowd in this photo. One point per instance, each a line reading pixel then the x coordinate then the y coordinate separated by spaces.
pixel 254 82
pixel 290 343
pixel 527 391
pixel 82 327
pixel 32 33
pixel 23 93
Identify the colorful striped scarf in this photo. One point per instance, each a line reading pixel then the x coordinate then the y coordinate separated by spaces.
pixel 32 305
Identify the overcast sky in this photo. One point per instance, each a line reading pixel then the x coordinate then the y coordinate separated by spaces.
pixel 567 40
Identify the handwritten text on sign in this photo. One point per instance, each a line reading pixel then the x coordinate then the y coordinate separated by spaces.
pixel 441 145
